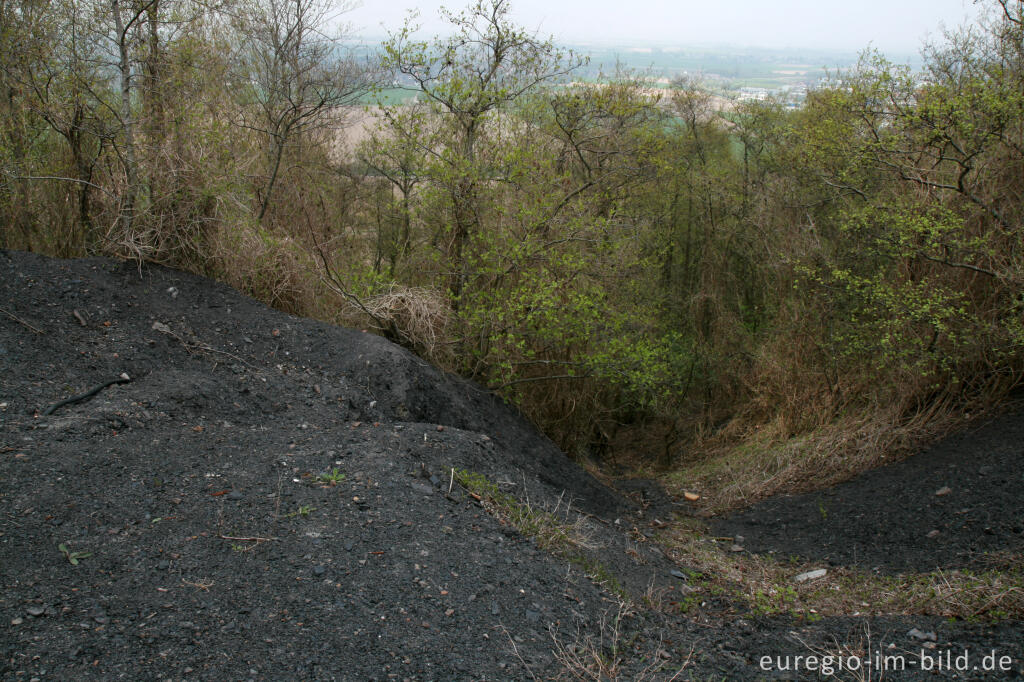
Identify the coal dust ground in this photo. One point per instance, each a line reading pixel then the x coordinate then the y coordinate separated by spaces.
pixel 268 497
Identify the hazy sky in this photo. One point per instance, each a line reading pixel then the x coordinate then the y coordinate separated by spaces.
pixel 890 25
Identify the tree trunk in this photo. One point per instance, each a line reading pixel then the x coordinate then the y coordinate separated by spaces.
pixel 127 122
pixel 464 200
pixel 278 152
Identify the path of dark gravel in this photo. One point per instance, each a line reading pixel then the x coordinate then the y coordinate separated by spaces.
pixel 211 551
pixel 959 504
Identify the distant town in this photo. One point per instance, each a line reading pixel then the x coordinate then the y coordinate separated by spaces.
pixel 735 73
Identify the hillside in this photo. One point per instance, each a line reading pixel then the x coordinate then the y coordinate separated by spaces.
pixel 270 497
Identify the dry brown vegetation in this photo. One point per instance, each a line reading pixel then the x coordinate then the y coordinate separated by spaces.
pixel 760 299
pixel 764 585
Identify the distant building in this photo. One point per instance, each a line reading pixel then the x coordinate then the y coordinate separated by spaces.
pixel 753 94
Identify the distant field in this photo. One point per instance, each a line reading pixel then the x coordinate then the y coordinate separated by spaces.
pixel 723 68
pixel 390 96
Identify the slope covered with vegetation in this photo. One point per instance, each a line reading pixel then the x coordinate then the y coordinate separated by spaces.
pixel 803 290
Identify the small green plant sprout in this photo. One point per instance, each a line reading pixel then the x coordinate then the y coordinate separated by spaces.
pixel 332 478
pixel 72 557
pixel 304 510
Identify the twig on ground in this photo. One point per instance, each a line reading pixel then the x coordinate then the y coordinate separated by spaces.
pixel 123 379
pixel 251 539
pixel 20 321
pixel 594 518
pixel 277 497
pixel 202 346
pixel 686 663
pixel 203 585
pixel 515 650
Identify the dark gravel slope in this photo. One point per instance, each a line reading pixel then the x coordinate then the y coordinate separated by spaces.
pixel 955 505
pixel 212 548
pixel 268 498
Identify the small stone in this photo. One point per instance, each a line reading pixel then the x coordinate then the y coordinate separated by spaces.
pixel 736 548
pixel 440 428
pixel 533 616
pixel 17 621
pixel 421 488
pixel 235 495
pixel 35 611
pixel 163 565
pixel 810 575
pixel 494 608
pixel 943 491
pixel 349 544
pixel 739 539
pixel 933 533
pixel 319 570
pixel 677 574
pixel 921 636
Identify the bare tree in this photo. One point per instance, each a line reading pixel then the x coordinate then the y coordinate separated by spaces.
pixel 52 65
pixel 297 74
pixel 486 65
pixel 127 18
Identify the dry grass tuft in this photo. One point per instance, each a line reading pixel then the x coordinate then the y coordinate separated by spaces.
pixel 963 594
pixel 419 315
pixel 604 655
pixel 558 529
pixel 272 269
pixel 731 475
pixel 851 661
pixel 765 585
